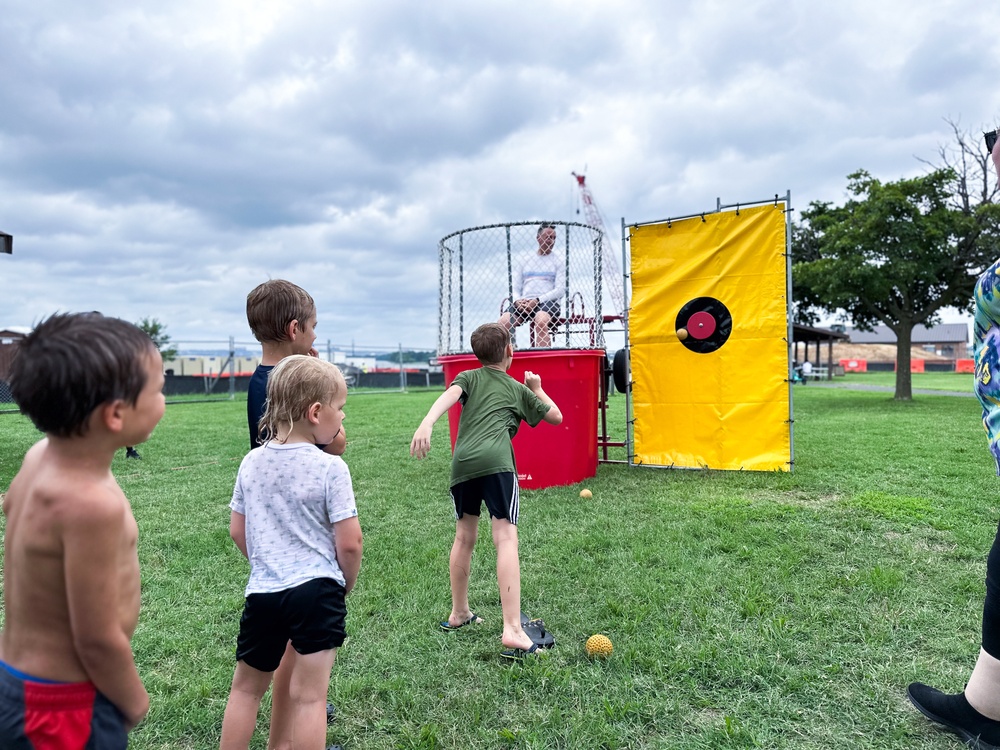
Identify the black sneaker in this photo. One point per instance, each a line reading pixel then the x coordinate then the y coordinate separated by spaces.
pixel 331 713
pixel 955 713
pixel 131 452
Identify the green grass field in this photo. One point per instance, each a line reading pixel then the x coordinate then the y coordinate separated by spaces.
pixel 747 610
pixel 935 381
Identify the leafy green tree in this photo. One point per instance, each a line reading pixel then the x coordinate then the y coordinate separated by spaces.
pixel 806 304
pixel 896 253
pixel 158 332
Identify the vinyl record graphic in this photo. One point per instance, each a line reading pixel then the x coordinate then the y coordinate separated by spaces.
pixel 703 325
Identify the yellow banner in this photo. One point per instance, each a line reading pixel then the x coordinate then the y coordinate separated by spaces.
pixel 707 337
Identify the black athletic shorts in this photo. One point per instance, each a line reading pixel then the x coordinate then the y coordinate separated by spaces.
pixel 500 492
pixel 991 607
pixel 517 317
pixel 311 615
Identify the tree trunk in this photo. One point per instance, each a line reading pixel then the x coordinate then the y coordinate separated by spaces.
pixel 904 377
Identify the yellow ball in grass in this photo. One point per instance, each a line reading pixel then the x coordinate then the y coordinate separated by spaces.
pixel 586 493
pixel 599 647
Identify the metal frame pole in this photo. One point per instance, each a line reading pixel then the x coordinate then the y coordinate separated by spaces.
pixel 461 289
pixel 599 289
pixel 510 270
pixel 791 328
pixel 566 277
pixel 232 369
pixel 441 298
pixel 402 372
pixel 629 432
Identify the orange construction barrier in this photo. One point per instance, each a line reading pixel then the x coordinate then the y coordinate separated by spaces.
pixel 854 365
pixel 916 365
pixel 965 365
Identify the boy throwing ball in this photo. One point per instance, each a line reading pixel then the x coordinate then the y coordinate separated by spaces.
pixel 483 470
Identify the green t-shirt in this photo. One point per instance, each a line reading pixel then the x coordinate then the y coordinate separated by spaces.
pixel 493 405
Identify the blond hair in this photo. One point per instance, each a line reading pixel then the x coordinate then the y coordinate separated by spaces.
pixel 296 383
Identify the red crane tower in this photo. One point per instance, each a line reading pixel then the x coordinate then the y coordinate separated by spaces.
pixel 609 258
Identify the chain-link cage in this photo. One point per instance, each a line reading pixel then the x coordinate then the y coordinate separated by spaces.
pixel 541 279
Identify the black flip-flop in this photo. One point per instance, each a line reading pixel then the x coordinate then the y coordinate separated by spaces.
pixel 473 620
pixel 535 622
pixel 535 630
pixel 518 654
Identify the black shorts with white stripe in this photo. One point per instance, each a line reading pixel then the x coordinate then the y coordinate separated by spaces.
pixel 500 492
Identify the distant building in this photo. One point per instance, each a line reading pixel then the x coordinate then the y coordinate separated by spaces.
pixel 946 340
pixel 209 366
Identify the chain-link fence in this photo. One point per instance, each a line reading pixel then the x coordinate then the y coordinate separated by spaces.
pixel 542 279
pixel 221 368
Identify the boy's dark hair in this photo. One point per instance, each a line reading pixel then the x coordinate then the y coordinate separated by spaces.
pixel 489 343
pixel 273 305
pixel 73 363
pixel 542 228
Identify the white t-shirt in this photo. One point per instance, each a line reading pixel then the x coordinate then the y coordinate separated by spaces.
pixel 541 276
pixel 291 496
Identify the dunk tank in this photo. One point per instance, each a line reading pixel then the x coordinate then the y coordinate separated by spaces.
pixel 706 369
pixel 478 269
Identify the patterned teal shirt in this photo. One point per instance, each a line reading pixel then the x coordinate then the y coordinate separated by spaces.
pixel 986 347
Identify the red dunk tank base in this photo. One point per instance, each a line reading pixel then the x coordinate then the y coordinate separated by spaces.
pixel 550 455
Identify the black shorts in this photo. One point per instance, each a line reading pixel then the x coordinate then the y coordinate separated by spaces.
pixel 311 615
pixel 991 607
pixel 517 317
pixel 500 492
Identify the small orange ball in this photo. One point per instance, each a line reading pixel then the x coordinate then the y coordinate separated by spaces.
pixel 598 647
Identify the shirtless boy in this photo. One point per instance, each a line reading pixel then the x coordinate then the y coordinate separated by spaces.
pixel 68 679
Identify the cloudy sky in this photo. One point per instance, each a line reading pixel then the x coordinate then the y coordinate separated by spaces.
pixel 161 159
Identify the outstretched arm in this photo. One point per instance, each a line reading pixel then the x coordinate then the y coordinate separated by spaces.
pixel 534 383
pixel 421 443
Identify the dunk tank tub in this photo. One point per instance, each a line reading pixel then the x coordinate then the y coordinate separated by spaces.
pixel 477 271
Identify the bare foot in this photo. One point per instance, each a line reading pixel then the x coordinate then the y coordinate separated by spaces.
pixel 455 622
pixel 516 639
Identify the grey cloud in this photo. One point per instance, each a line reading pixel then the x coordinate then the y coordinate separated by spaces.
pixel 164 159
